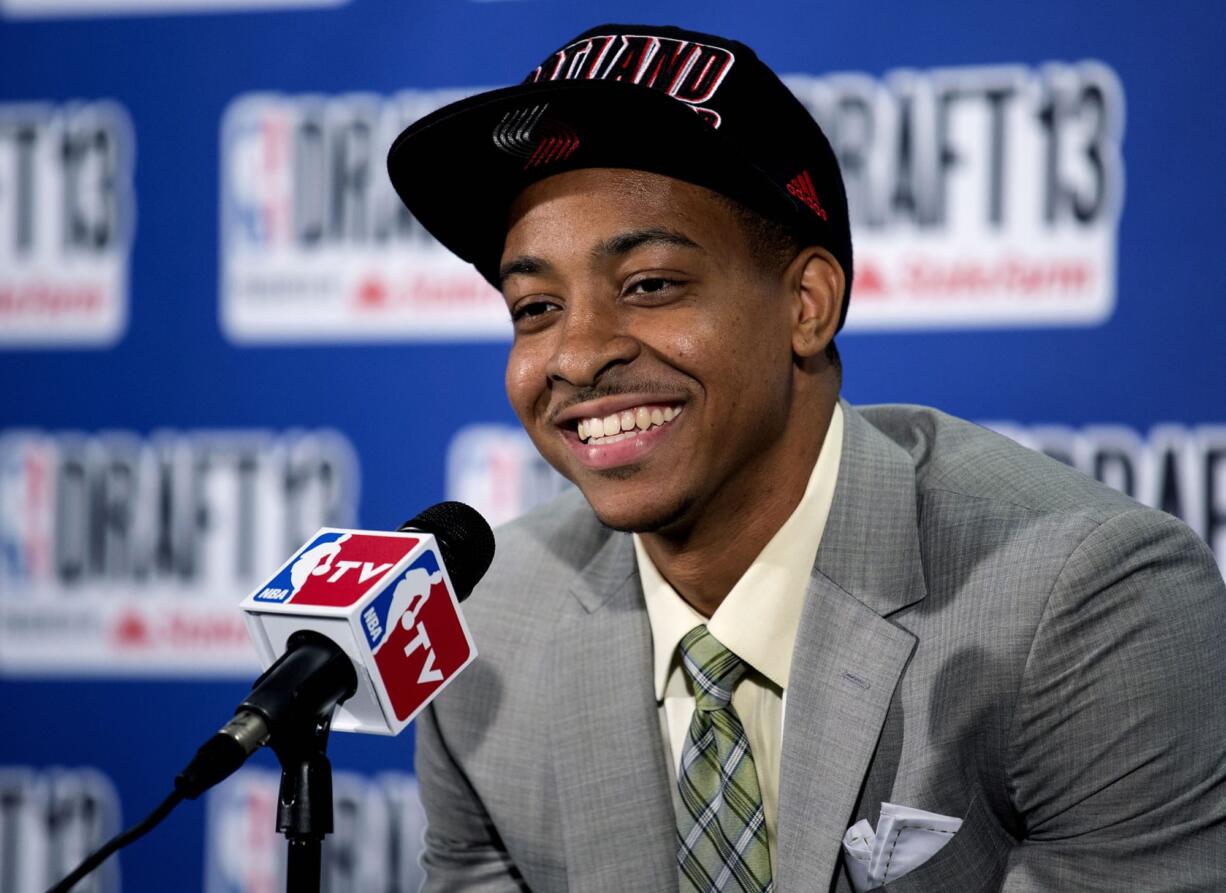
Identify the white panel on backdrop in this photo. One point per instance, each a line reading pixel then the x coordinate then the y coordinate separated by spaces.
pixel 128 554
pixel 979 196
pixel 51 819
pixel 66 222
pixel 497 470
pixel 58 8
pixel 376 843
pixel 1176 468
pixel 315 244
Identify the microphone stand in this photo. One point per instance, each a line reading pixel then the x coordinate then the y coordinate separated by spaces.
pixel 304 810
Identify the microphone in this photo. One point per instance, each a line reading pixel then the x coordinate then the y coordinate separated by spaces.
pixel 368 630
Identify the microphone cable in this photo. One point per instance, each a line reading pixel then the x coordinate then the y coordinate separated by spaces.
pixel 118 842
pixel 314 669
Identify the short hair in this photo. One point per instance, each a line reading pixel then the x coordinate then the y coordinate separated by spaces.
pixel 774 245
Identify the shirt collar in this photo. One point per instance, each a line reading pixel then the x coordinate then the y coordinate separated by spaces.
pixel 759 618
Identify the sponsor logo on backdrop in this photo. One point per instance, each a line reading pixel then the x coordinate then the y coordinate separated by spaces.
pixel 66 223
pixel 51 819
pixel 123 553
pixel 375 845
pixel 979 196
pixel 1179 469
pixel 315 244
pixel 497 470
pixel 58 8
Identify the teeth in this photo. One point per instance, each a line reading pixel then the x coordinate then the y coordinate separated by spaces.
pixel 622 424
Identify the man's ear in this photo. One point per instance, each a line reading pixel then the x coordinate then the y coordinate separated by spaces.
pixel 815 282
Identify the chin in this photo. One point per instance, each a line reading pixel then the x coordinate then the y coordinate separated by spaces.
pixel 654 515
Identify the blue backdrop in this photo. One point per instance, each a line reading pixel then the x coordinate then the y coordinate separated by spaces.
pixel 217 333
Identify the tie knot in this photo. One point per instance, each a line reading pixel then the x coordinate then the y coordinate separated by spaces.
pixel 714 669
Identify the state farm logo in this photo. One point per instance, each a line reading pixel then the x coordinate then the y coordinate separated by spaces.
pixel 66 214
pixel 979 196
pixel 315 244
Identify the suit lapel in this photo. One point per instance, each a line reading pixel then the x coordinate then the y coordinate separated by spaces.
pixel 612 773
pixel 613 777
pixel 848 657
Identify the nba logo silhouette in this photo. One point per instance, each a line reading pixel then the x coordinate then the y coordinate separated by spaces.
pixel 416 635
pixel 385 598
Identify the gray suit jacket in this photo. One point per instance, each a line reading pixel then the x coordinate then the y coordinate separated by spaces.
pixel 987 634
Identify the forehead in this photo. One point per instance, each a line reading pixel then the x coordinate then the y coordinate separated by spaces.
pixel 594 203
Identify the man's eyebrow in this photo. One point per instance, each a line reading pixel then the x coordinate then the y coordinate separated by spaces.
pixel 624 243
pixel 525 264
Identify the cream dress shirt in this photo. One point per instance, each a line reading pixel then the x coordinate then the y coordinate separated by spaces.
pixel 757 621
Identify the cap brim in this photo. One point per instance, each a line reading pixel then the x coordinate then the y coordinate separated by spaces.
pixel 459 169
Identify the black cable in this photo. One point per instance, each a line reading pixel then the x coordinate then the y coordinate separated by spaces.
pixel 119 841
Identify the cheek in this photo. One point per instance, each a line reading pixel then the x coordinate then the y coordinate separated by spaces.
pixel 743 360
pixel 525 382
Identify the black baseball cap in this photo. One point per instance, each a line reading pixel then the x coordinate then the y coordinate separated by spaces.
pixel 686 105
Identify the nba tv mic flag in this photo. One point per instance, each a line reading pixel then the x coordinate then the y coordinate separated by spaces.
pixel 368 630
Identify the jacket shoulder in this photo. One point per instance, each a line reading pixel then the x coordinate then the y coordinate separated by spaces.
pixel 536 559
pixel 957 458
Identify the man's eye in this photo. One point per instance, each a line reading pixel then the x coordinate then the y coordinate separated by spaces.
pixel 531 310
pixel 653 285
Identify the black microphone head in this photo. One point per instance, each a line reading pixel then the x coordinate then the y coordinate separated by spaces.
pixel 464 538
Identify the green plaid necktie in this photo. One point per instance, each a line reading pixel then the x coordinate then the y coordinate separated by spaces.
pixel 721 835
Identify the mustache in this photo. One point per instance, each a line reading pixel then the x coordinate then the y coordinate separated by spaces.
pixel 616 389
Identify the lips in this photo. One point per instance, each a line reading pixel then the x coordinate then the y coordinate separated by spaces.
pixel 621 431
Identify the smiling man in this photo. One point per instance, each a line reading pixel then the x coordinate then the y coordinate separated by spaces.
pixel 676 376
pixel 776 642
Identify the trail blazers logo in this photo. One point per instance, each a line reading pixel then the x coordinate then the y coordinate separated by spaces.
pixel 527 133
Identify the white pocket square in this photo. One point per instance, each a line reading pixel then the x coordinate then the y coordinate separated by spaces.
pixel 905 839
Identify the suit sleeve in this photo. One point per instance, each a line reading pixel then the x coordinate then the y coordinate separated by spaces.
pixel 1118 768
pixel 463 850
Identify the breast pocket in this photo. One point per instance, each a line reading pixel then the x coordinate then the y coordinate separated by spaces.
pixel 973 860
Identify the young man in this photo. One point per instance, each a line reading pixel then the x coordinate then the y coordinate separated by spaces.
pixel 766 613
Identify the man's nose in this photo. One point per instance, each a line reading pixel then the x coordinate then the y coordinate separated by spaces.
pixel 590 341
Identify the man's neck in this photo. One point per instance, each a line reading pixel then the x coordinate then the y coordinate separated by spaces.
pixel 704 559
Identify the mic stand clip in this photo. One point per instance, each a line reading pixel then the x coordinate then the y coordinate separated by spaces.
pixel 304 807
